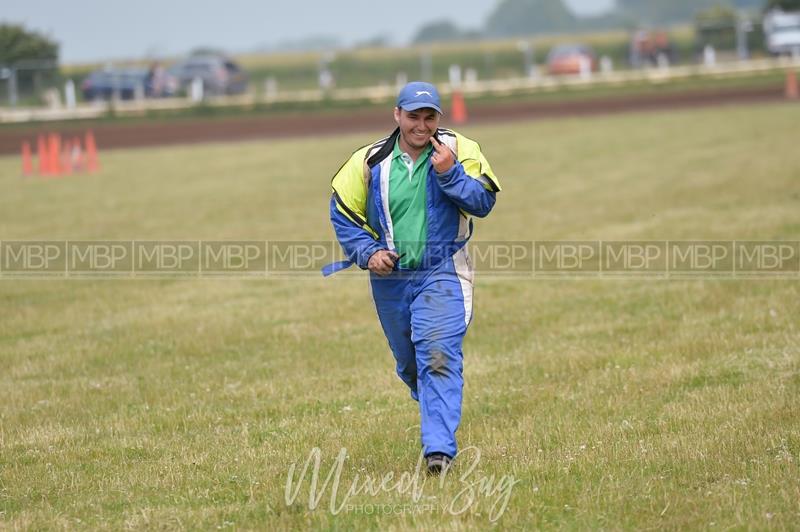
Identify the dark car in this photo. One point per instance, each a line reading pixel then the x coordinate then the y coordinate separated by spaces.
pixel 568 59
pixel 124 84
pixel 219 74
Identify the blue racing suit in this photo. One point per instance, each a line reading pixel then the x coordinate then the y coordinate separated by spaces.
pixel 424 311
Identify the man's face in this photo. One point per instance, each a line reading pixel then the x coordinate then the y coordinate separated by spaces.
pixel 416 127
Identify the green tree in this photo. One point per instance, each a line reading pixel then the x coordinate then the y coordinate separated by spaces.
pixel 441 30
pixel 661 12
pixel 786 5
pixel 664 12
pixel 716 16
pixel 525 17
pixel 18 44
pixel 748 4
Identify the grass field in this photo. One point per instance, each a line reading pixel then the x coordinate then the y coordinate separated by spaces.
pixel 616 404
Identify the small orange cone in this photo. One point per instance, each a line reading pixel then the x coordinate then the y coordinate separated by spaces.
pixel 792 92
pixel 44 156
pixel 459 110
pixel 76 157
pixel 54 143
pixel 66 158
pixel 92 165
pixel 27 163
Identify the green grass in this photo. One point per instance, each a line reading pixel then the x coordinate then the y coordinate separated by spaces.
pixel 614 404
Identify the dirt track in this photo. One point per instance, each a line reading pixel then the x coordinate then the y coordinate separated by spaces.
pixel 179 131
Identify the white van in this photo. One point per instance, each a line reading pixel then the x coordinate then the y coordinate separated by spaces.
pixel 782 32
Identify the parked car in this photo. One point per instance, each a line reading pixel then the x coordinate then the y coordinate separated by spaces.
pixel 782 31
pixel 219 74
pixel 569 58
pixel 125 84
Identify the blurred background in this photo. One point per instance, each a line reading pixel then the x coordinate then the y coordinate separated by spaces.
pixel 60 62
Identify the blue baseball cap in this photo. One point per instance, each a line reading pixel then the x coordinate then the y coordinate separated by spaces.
pixel 419 95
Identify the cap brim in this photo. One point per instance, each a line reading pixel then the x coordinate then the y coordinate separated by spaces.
pixel 422 105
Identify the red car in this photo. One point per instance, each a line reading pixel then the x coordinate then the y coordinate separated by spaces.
pixel 571 59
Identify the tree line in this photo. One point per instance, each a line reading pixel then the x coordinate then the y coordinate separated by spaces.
pixel 513 18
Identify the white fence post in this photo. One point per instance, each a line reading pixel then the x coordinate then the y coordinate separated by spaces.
pixel 69 94
pixel 455 76
pixel 196 90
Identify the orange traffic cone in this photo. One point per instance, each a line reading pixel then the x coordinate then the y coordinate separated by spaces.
pixel 55 154
pixel 791 85
pixel 27 163
pixel 76 157
pixel 92 164
pixel 66 158
pixel 44 156
pixel 459 111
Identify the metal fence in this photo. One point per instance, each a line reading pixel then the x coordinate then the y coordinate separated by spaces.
pixel 28 82
pixel 386 92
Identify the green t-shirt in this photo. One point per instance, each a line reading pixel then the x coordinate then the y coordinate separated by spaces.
pixel 407 195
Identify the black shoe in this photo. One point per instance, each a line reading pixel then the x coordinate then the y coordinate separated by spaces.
pixel 438 462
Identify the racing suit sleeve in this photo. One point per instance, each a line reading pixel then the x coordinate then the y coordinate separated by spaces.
pixel 470 183
pixel 466 192
pixel 357 243
pixel 348 208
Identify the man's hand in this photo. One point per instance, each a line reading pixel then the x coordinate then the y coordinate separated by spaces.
pixel 382 262
pixel 442 157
